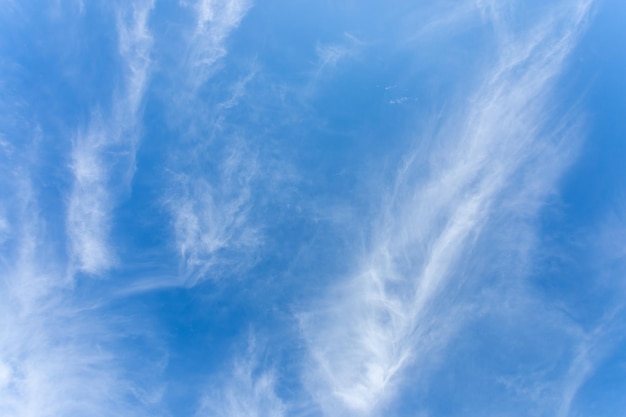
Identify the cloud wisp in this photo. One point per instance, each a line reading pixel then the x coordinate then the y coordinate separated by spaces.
pixel 103 156
pixel 210 194
pixel 215 20
pixel 55 353
pixel 249 391
pixel 593 346
pixel 59 354
pixel 331 55
pixel 211 218
pixel 394 311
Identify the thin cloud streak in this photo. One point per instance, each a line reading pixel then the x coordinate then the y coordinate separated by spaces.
pixel 54 359
pixel 593 346
pixel 215 20
pixel 330 55
pixel 59 355
pixel 210 207
pixel 391 313
pixel 249 391
pixel 89 208
pixel 581 367
pixel 211 219
pixel 103 157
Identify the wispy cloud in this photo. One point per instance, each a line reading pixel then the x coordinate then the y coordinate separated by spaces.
pixel 607 255
pixel 55 356
pixel 574 332
pixel 248 391
pixel 330 55
pixel 211 218
pixel 103 157
pixel 497 161
pixel 215 20
pixel 90 205
pixel 135 44
pixel 584 361
pixel 210 194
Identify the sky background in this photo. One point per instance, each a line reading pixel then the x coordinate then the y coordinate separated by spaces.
pixel 287 208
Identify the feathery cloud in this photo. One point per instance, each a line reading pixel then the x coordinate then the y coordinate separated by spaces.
pixel 210 197
pixel 103 157
pixel 211 218
pixel 392 312
pixel 249 391
pixel 56 357
pixel 216 19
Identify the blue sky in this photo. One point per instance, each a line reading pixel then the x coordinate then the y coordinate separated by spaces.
pixel 331 208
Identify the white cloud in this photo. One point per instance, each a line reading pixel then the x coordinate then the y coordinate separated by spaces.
pixel 215 20
pixel 55 355
pixel 4 228
pixel 6 375
pixel 135 44
pixel 498 160
pixel 607 255
pixel 331 55
pixel 90 205
pixel 210 194
pixel 103 157
pixel 248 391
pixel 238 91
pixel 581 367
pixel 611 238
pixel 211 219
